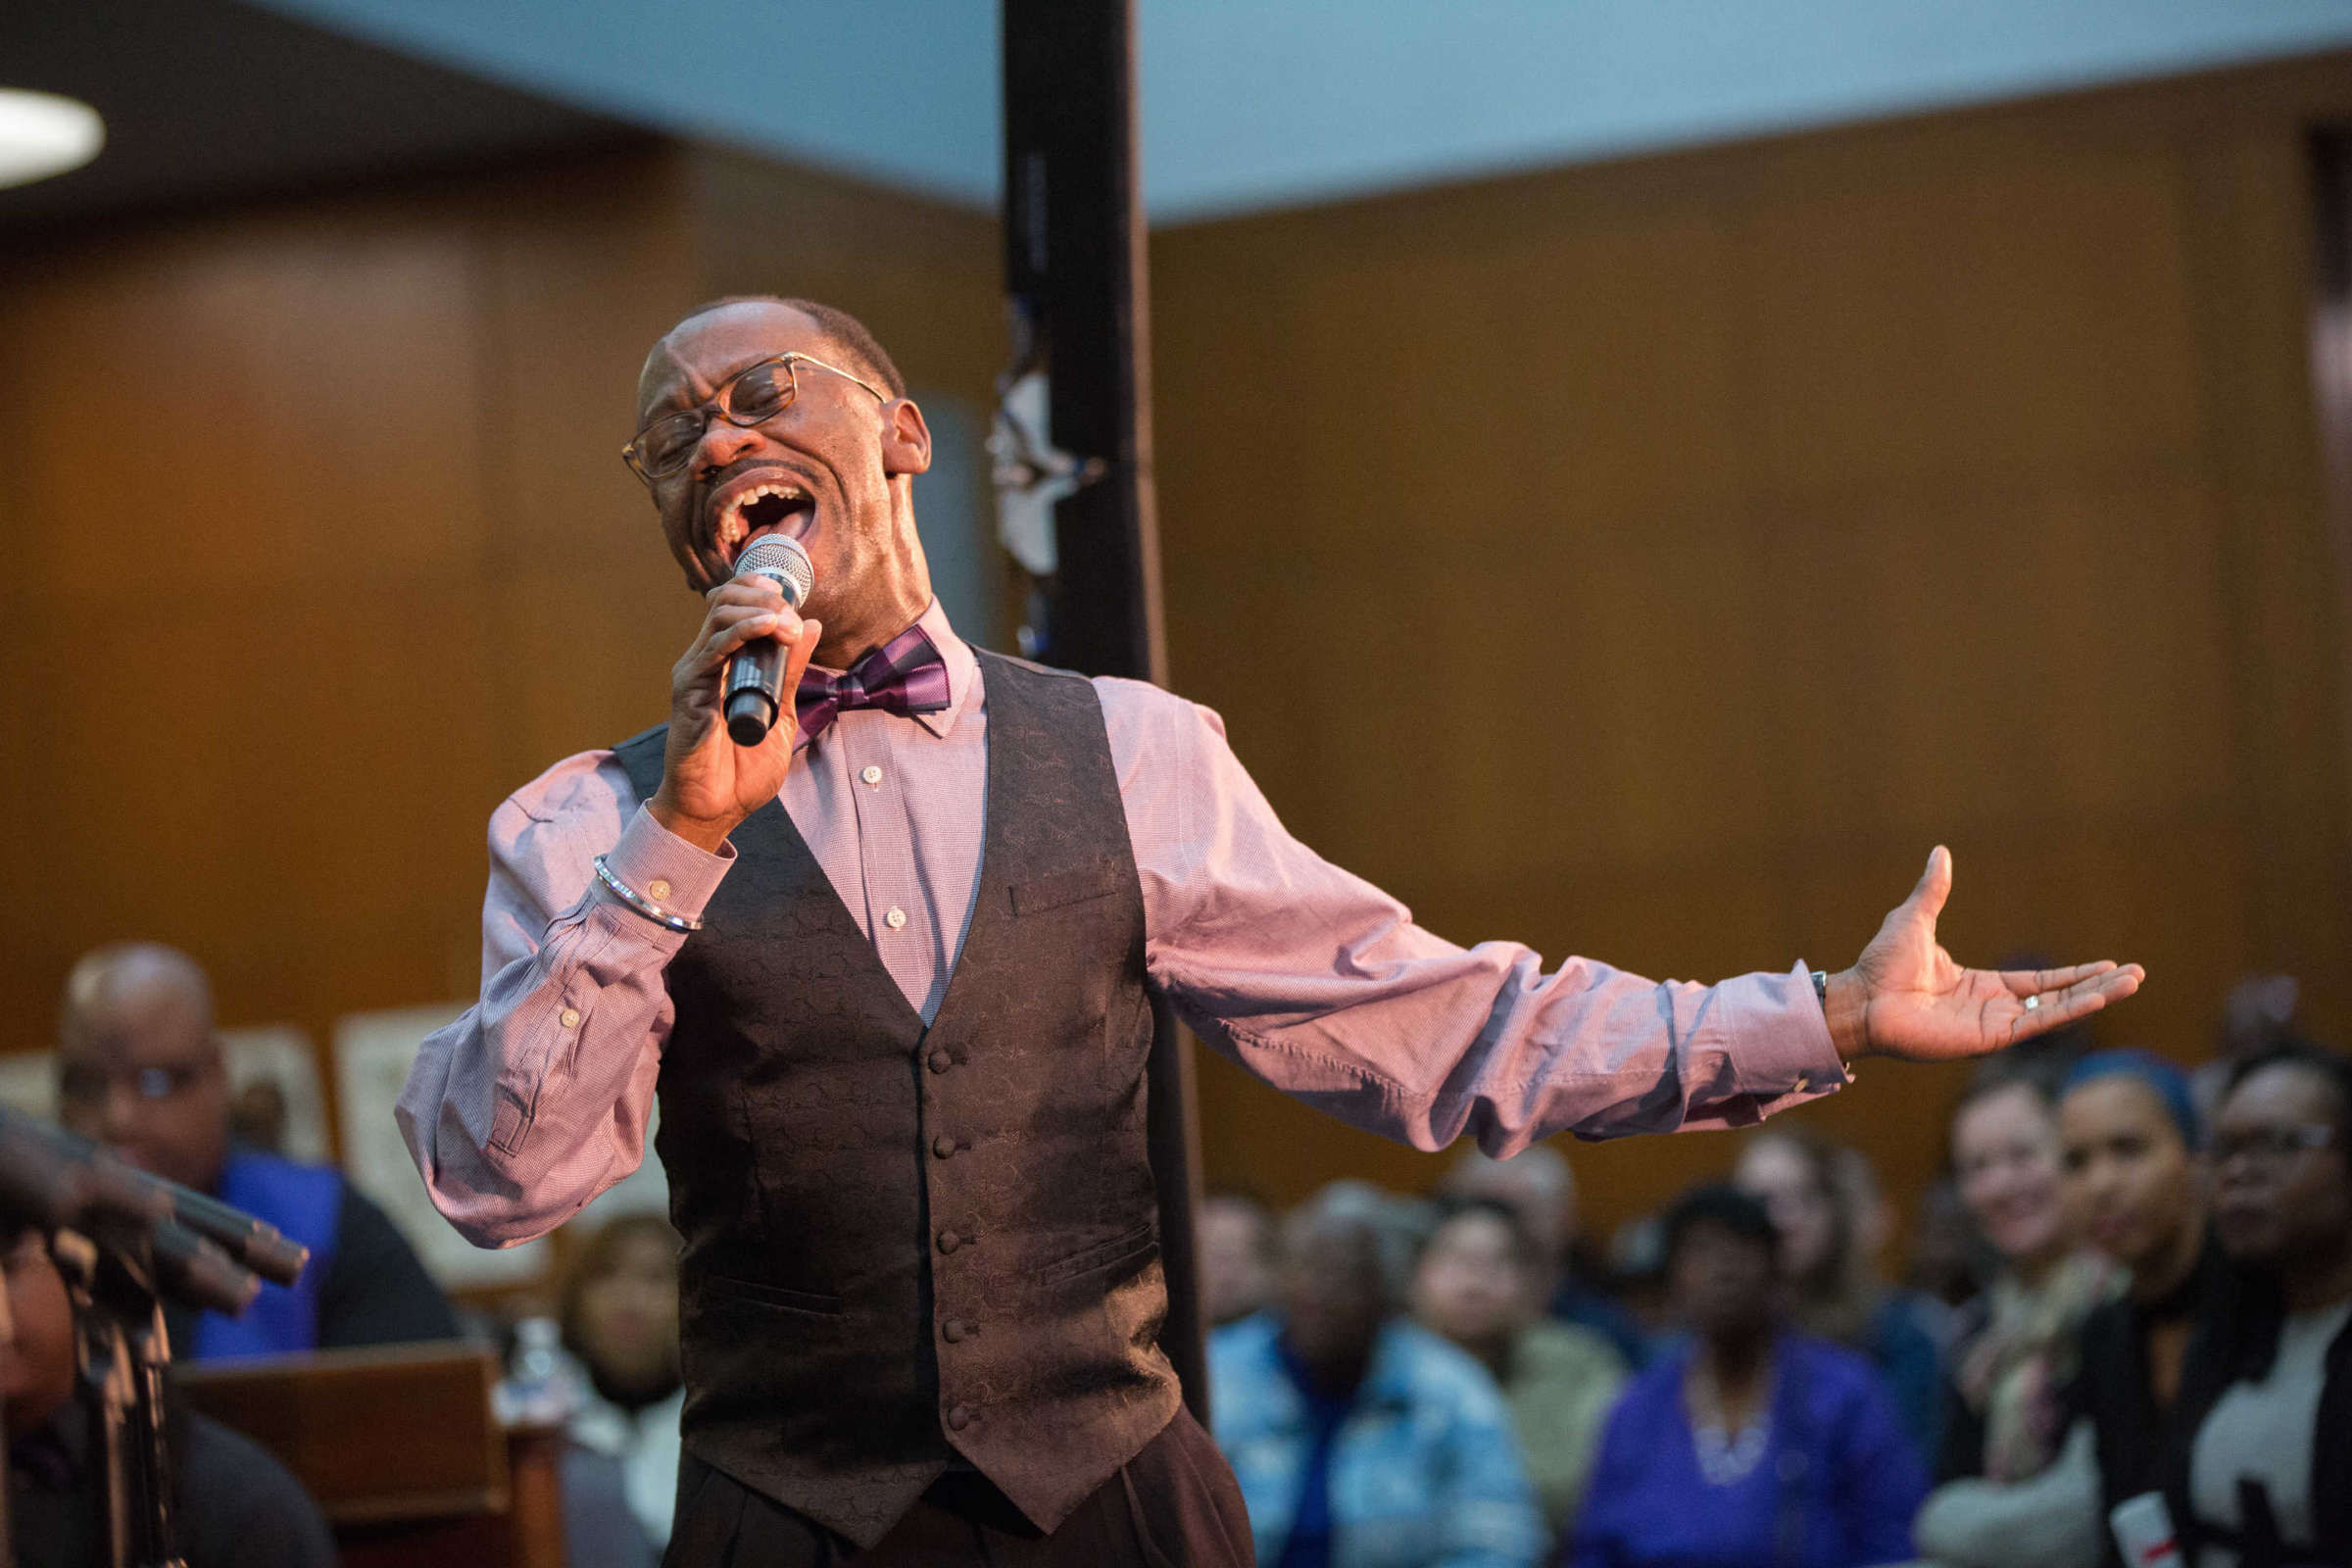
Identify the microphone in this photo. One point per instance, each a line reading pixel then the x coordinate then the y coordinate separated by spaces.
pixel 756 672
pixel 51 1177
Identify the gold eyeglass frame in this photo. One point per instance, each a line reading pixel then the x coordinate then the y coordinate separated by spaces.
pixel 722 406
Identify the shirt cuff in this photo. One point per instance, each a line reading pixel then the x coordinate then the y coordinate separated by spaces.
pixel 665 869
pixel 1782 1053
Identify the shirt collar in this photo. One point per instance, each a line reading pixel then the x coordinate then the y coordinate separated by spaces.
pixel 963 672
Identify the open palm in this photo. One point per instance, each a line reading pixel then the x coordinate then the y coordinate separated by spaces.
pixel 1907 998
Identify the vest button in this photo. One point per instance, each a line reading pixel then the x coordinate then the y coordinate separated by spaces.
pixel 955 1330
pixel 959 1418
pixel 941 1061
pixel 949 1240
pixel 943 1145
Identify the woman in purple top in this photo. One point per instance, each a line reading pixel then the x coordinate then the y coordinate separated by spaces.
pixel 1752 1445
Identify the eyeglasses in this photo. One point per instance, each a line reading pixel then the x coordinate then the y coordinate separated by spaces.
pixel 751 397
pixel 2269 1146
pixel 89 1086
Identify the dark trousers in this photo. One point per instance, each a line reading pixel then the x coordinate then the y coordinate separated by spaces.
pixel 1173 1506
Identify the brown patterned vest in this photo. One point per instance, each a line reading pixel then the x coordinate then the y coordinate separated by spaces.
pixel 903 1242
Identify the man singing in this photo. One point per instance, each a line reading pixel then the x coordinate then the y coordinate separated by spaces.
pixel 889 971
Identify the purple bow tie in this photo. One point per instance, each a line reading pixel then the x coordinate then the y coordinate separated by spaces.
pixel 905 675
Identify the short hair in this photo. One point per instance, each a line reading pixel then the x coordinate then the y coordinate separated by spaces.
pixel 2165 1081
pixel 1986 1084
pixel 1524 1251
pixel 843 330
pixel 2328 1067
pixel 1721 1203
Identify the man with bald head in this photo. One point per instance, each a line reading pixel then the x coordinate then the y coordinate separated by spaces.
pixel 889 973
pixel 141 1069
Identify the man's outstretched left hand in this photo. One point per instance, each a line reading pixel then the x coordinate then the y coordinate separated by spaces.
pixel 1907 998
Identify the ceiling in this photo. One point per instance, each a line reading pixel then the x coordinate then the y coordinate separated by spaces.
pixel 1256 103
pixel 1247 103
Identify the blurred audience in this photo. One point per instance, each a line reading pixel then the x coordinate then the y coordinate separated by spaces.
pixel 619 1316
pixel 1480 1283
pixel 1235 1238
pixel 1539 1183
pixel 2017 1349
pixel 234 1506
pixel 141 1069
pixel 1752 1444
pixel 2099 1310
pixel 2266 1479
pixel 1823 1201
pixel 1359 1439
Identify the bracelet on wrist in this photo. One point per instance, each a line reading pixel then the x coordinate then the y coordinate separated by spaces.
pixel 667 918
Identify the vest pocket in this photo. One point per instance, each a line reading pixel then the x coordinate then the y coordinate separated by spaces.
pixel 774 1296
pixel 1129 1250
pixel 1078 885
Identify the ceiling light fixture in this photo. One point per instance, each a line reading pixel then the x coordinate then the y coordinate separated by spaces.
pixel 43 135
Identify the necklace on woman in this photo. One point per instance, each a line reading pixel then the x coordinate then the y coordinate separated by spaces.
pixel 1725 1457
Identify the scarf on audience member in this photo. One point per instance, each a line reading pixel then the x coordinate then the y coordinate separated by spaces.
pixel 2014 1370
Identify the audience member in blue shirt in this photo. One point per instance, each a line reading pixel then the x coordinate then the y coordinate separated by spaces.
pixel 1750 1445
pixel 1360 1440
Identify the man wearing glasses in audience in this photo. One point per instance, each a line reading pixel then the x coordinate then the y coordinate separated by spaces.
pixel 140 1071
pixel 889 972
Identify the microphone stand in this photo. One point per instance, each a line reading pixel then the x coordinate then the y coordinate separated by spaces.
pixel 125 1241
pixel 121 1353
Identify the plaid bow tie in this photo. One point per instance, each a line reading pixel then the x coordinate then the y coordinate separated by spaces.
pixel 905 675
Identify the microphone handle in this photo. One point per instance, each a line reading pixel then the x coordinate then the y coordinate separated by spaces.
pixel 754 690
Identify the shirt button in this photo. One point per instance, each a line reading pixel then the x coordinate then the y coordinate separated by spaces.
pixel 571 1017
pixel 943 1145
pixel 658 889
pixel 959 1418
pixel 949 1240
pixel 896 918
pixel 955 1330
pixel 941 1061
pixel 870 773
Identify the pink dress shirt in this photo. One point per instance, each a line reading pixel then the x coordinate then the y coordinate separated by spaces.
pixel 537 1099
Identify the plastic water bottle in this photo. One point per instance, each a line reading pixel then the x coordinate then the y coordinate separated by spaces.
pixel 2144 1531
pixel 538 1387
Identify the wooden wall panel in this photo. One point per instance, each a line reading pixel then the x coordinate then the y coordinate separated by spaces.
pixel 1666 554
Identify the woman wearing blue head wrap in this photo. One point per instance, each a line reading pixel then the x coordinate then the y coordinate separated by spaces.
pixel 2135 1181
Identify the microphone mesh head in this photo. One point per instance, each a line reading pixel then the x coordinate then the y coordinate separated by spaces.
pixel 771 555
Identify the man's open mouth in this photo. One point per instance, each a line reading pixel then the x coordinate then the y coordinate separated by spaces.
pixel 770 506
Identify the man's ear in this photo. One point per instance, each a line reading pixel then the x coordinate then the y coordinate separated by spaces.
pixel 905 439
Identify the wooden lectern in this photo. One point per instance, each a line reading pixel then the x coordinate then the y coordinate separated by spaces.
pixel 399 1447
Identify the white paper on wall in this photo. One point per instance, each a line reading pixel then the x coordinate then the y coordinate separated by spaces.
pixel 29 1083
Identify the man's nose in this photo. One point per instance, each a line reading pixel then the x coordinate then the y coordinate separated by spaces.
pixel 119 1112
pixel 723 443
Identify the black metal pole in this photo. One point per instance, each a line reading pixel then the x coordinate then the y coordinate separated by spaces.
pixel 1074 270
